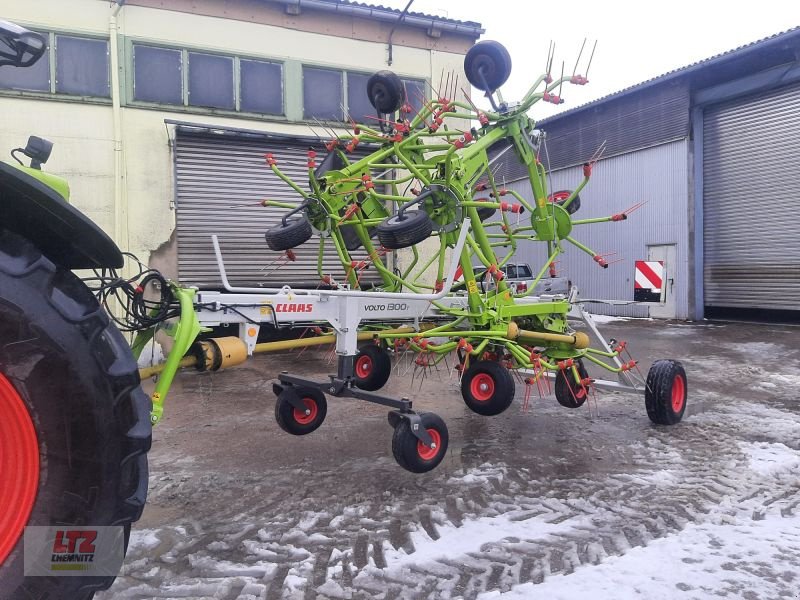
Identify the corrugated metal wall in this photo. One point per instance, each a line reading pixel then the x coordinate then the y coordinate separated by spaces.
pixel 657 175
pixel 219 182
pixel 751 186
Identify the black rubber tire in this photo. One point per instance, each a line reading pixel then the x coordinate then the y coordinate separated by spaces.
pixel 569 393
pixel 80 382
pixel 495 61
pixel 486 213
pixel 404 231
pixel 406 446
pixel 296 231
pixel 502 388
pixel 386 92
pixel 662 379
pixel 573 206
pixel 380 367
pixel 287 416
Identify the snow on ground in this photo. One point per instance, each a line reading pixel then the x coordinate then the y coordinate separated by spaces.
pixel 751 559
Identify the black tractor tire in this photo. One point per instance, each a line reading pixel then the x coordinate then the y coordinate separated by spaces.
pixel 403 231
pixel 386 92
pixel 410 453
pixel 560 197
pixel 296 231
pixel 568 392
pixel 75 376
pixel 372 367
pixel 666 392
pixel 292 420
pixel 493 60
pixel 487 387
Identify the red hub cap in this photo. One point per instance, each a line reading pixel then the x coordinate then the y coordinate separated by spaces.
pixel 678 393
pixel 303 418
pixel 19 467
pixel 559 196
pixel 429 453
pixel 363 366
pixel 482 387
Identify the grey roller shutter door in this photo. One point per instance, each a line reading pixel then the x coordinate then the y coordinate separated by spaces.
pixel 219 182
pixel 751 200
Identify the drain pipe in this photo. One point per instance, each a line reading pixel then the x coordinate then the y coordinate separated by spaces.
pixel 120 193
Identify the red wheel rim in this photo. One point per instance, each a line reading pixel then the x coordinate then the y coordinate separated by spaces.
pixel 678 393
pixel 482 387
pixel 559 196
pixel 303 418
pixel 429 453
pixel 19 465
pixel 363 366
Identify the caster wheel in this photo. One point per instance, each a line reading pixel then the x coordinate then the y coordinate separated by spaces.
pixel 403 231
pixel 487 387
pixel 295 421
pixel 386 92
pixel 666 391
pixel 410 453
pixel 569 392
pixel 284 236
pixel 372 367
pixel 487 65
pixel 559 197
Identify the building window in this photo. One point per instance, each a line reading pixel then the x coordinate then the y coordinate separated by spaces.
pixel 358 104
pixel 322 94
pixel 157 75
pixel 29 79
pixel 82 67
pixel 211 81
pixel 261 87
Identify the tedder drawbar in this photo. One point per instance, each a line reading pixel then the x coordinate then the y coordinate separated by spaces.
pixel 433 307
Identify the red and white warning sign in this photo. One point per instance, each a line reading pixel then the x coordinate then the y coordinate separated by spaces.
pixel 648 280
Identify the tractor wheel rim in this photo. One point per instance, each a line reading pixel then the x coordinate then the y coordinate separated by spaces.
pixel 305 419
pixel 363 366
pixel 678 393
pixel 429 453
pixel 482 387
pixel 19 465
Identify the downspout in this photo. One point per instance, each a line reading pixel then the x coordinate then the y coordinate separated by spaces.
pixel 120 193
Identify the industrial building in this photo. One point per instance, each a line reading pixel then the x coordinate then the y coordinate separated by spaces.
pixel 712 149
pixel 162 111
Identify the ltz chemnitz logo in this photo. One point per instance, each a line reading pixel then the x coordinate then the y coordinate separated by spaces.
pixel 73 549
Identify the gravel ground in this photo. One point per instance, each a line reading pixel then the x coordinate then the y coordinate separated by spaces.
pixel 548 502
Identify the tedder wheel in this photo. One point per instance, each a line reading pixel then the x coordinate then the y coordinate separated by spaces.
pixel 296 231
pixel 487 387
pixel 560 196
pixel 372 367
pixel 386 92
pixel 402 231
pixel 665 394
pixel 293 420
pixel 569 392
pixel 74 422
pixel 410 453
pixel 492 60
pixel 486 213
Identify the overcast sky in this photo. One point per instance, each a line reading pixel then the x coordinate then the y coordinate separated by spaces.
pixel 637 40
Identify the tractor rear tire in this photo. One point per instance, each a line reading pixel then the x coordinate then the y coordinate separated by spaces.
pixel 403 231
pixel 74 422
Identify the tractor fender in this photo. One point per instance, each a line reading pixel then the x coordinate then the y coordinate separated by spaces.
pixel 34 210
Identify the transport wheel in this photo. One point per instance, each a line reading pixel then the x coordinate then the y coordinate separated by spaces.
pixel 560 196
pixel 410 453
pixel 569 393
pixel 386 92
pixel 372 367
pixel 486 213
pixel 402 231
pixel 296 231
pixel 487 387
pixel 74 422
pixel 666 392
pixel 293 420
pixel 492 60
